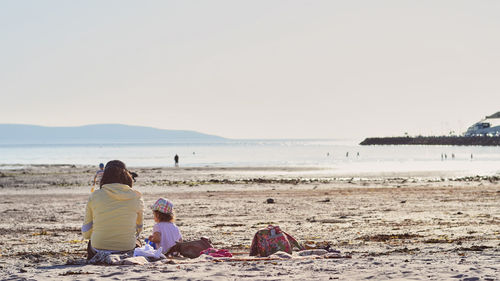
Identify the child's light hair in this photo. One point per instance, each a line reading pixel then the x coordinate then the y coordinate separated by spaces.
pixel 164 217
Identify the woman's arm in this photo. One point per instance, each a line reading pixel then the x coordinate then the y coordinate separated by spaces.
pixel 140 218
pixel 88 222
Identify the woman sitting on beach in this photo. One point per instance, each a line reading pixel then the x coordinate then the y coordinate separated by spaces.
pixel 114 214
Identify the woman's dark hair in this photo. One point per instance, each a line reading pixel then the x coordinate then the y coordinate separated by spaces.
pixel 164 217
pixel 116 172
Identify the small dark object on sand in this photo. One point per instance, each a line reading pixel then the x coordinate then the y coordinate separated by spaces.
pixel 404 201
pixel 270 201
pixel 133 175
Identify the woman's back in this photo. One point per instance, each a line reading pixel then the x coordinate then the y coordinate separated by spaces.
pixel 116 212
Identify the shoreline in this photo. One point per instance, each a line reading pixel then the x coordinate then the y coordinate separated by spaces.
pixel 68 175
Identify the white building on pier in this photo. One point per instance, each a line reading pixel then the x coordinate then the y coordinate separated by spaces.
pixel 489 126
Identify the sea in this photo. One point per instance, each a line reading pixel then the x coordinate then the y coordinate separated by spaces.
pixel 338 157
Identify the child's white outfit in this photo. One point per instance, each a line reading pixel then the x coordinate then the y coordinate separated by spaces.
pixel 170 234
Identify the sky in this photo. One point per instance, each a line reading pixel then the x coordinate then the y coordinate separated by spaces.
pixel 252 69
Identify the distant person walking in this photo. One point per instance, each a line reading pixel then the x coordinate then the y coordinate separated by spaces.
pixel 98 176
pixel 176 160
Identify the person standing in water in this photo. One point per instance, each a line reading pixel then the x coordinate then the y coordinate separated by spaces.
pixel 176 160
pixel 98 176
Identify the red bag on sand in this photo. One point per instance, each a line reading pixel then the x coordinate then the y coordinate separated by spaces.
pixel 272 239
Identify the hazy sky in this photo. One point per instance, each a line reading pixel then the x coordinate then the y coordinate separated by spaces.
pixel 252 69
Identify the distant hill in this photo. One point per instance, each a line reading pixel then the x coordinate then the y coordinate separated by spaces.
pixel 102 133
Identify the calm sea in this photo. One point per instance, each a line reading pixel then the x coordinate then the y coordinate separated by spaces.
pixel 339 156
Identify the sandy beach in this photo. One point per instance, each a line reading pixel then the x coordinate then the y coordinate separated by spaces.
pixel 398 226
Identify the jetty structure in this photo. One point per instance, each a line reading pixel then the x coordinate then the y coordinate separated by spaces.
pixel 483 133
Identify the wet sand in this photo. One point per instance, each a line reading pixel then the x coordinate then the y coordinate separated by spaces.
pixel 398 226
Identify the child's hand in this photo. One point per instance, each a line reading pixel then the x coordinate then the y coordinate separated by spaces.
pixel 156 237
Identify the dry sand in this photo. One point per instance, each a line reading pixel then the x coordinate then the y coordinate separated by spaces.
pixel 386 227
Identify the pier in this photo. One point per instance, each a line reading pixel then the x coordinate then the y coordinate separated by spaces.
pixel 434 140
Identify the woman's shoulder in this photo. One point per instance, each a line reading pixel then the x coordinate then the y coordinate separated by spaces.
pixel 138 193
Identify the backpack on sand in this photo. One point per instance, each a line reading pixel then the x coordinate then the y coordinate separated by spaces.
pixel 272 239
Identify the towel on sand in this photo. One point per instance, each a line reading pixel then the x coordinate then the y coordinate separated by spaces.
pixel 120 258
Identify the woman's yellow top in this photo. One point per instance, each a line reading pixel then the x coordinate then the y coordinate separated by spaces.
pixel 114 217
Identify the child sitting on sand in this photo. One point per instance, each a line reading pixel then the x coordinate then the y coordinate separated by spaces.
pixel 165 232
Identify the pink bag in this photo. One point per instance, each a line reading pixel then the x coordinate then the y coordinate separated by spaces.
pixel 217 253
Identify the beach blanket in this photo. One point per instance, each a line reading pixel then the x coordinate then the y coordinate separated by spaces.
pixel 128 258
